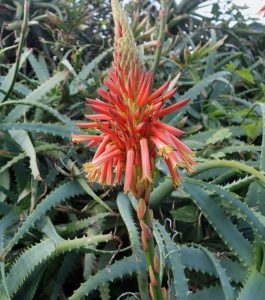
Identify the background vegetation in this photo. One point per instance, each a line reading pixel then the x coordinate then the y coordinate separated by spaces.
pixel 61 238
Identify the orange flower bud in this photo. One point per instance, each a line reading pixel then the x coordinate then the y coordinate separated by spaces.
pixel 144 242
pixel 151 217
pixel 162 12
pixel 164 293
pixel 156 263
pixel 152 276
pixel 146 231
pixel 141 209
pixel 166 29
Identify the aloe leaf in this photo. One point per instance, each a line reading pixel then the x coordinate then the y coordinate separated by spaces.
pixel 64 119
pixel 36 95
pixel 43 148
pixel 222 225
pixel 195 91
pixel 26 263
pixel 7 82
pixel 232 200
pixel 227 288
pixel 86 70
pixel 125 267
pixel 40 252
pixel 179 279
pixel 74 227
pixel 66 265
pixel 52 129
pixel 40 67
pixel 29 287
pixel 262 157
pixel 254 287
pixel 196 259
pixel 23 140
pixel 60 194
pixel 4 183
pixel 215 293
pixel 125 209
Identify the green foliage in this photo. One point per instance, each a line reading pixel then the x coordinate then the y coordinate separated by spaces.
pixel 118 270
pixel 61 236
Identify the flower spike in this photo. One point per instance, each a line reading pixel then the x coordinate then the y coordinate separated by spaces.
pixel 127 117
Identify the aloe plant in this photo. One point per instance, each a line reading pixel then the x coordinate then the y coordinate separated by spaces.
pixel 62 237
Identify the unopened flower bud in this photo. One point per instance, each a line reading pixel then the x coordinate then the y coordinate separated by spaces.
pixel 162 13
pixel 146 231
pixel 166 29
pixel 141 209
pixel 152 276
pixel 157 43
pixel 164 293
pixel 144 242
pixel 156 263
pixel 151 217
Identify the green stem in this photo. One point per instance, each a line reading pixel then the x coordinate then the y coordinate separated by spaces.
pixel 161 34
pixel 166 188
pixel 24 28
pixel 230 164
pixel 149 254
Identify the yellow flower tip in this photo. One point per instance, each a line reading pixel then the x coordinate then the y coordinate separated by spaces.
pixel 88 167
pixel 146 181
pixel 74 138
pixel 177 183
pixel 164 151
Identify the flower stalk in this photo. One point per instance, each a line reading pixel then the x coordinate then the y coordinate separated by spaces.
pixel 145 218
pixel 161 34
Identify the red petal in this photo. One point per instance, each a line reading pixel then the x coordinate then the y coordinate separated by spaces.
pixel 102 146
pixel 104 94
pixel 168 128
pixel 173 107
pixel 174 173
pixel 77 138
pixel 111 86
pixel 146 168
pixel 165 96
pixel 98 117
pixel 119 170
pixel 91 125
pixel 129 170
pixel 100 103
pixel 104 157
pixel 109 177
pixel 158 92
pixel 144 90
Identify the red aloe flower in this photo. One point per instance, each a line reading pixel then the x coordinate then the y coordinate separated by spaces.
pixel 131 134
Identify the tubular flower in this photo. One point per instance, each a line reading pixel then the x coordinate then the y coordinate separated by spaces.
pixel 131 134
